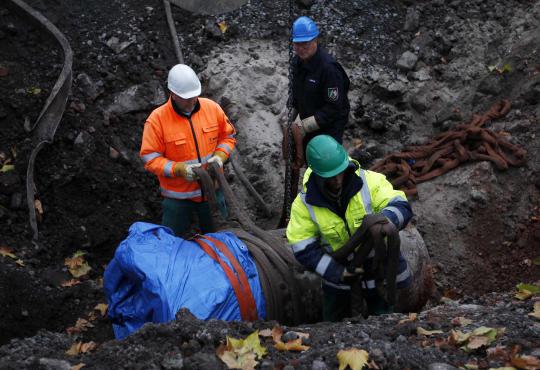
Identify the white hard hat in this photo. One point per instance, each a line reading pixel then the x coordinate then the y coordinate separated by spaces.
pixel 183 81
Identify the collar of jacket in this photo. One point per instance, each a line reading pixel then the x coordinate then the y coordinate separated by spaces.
pixel 182 114
pixel 312 63
pixel 352 183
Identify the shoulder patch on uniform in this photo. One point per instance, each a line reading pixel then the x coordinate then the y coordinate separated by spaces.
pixel 333 93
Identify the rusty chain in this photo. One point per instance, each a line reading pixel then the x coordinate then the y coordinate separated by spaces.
pixel 288 192
pixel 466 142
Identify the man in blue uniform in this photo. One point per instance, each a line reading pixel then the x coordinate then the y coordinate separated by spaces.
pixel 320 87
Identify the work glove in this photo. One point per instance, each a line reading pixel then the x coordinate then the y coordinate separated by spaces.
pixel 351 274
pixel 184 170
pixel 307 125
pixel 219 158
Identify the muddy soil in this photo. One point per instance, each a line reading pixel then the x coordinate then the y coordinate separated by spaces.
pixel 481 225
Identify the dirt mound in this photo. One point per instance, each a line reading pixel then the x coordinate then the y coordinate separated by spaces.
pixel 417 69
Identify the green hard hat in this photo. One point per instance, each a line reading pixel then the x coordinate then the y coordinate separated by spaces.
pixel 326 157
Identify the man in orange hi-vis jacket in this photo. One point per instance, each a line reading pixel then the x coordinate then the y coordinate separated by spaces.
pixel 186 132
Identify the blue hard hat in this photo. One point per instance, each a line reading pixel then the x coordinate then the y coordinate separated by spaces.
pixel 304 29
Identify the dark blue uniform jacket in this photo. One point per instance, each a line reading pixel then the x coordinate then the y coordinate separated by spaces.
pixel 320 89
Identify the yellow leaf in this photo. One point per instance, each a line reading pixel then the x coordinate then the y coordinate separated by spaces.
pixel 7 167
pixel 536 312
pixel 6 252
pixel 75 349
pixel 38 206
pixel 223 26
pixel 523 295
pixel 293 345
pixel 355 358
pixel 102 308
pixel 78 366
pixel 77 265
pixel 502 368
pixel 534 289
pixel 79 253
pixel 34 91
pixel 422 331
pixel 241 353
pixel 506 68
pixel 491 333
pixel 80 347
pixel 20 262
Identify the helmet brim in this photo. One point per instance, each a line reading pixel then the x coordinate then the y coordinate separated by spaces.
pixel 189 94
pixel 335 171
pixel 303 38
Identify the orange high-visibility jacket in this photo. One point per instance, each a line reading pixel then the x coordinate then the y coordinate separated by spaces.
pixel 169 137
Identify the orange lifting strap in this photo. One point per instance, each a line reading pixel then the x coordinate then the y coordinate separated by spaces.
pixel 237 278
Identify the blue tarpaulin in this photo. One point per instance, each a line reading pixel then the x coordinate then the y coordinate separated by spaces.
pixel 154 274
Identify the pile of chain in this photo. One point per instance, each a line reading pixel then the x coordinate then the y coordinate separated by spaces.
pixel 467 142
pixel 275 262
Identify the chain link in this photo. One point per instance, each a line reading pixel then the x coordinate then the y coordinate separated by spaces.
pixel 288 192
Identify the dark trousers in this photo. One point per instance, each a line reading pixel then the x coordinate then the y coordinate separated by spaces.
pixel 180 214
pixel 337 304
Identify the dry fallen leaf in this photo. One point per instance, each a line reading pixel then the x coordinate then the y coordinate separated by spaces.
pixel 7 252
pixel 70 282
pixel 78 366
pixel 355 358
pixel 526 362
pixel 526 291
pixel 422 331
pixel 536 311
pixel 223 26
pixel 477 342
pixel 80 325
pixel 412 317
pixel 80 347
pixel 7 168
pixel 457 337
pixel 38 206
pixel 241 353
pixel 293 345
pixel 102 308
pixel 77 265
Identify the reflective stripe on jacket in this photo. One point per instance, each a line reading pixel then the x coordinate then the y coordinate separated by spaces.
pixel 169 137
pixel 313 230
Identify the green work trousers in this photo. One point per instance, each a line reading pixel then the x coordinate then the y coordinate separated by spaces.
pixel 180 214
pixel 337 305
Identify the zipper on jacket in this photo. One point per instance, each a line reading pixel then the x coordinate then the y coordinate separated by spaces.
pixel 194 139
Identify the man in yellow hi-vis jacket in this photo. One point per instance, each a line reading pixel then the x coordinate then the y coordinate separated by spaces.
pixel 337 194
